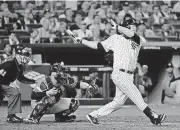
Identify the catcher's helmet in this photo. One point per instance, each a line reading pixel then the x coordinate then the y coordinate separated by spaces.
pixel 57 67
pixel 128 22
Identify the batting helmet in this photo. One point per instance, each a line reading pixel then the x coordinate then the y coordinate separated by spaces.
pixel 128 22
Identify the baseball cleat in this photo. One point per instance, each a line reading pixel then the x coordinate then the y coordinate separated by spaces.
pixel 159 119
pixel 93 120
pixel 14 119
pixel 30 121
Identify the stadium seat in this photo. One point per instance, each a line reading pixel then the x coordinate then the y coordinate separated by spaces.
pixel 9 26
pixel 172 38
pixel 66 39
pixel 57 40
pixel 176 27
pixel 33 26
pixel 44 40
pixel 3 32
pixel 20 33
pixel 156 26
pixel 24 39
pixel 155 38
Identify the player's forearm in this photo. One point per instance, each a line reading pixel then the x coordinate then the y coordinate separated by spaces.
pixel 125 31
pixel 91 44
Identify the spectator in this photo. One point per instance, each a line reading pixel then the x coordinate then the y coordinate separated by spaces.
pixel 89 19
pixel 77 24
pixel 176 7
pixel 16 26
pixel 30 6
pixel 97 23
pixel 6 16
pixel 166 14
pixel 145 83
pixel 107 31
pixel 144 11
pixel 39 4
pixel 171 91
pixel 13 39
pixel 84 9
pixel 96 35
pixel 8 52
pixel 28 18
pixel 166 30
pixel 83 32
pixel 103 12
pixel 54 24
pixel 119 20
pixel 126 10
pixel 4 5
pixel 109 14
pixel 62 32
pixel 156 18
pixel 69 16
pixel 139 18
pixel 47 6
pixel 46 16
pixel 34 37
pixel 141 29
pixel 16 5
pixel 43 32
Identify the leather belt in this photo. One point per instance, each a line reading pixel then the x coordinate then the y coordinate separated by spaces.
pixel 126 71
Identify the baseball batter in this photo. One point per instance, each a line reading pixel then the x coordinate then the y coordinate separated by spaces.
pixel 126 50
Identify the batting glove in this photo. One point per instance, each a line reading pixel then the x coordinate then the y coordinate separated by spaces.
pixel 77 40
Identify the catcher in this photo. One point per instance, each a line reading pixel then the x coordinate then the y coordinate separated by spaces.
pixel 46 96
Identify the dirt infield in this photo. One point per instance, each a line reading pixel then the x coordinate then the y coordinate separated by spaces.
pixel 128 118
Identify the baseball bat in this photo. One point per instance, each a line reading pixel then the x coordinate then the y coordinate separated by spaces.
pixel 70 33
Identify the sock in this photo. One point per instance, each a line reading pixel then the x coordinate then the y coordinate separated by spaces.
pixel 149 113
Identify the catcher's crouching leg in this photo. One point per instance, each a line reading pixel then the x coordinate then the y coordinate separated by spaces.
pixel 39 110
pixel 65 116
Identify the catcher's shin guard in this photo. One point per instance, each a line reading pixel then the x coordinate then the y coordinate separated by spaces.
pixel 74 105
pixel 41 108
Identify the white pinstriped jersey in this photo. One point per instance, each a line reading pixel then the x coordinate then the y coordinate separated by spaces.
pixel 125 50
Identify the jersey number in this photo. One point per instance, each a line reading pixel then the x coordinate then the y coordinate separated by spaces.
pixel 2 72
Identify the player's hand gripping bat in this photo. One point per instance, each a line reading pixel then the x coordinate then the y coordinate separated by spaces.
pixel 76 40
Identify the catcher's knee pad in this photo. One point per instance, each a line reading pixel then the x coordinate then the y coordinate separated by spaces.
pixel 74 105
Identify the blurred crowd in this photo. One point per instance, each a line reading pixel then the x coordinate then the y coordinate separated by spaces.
pixel 47 21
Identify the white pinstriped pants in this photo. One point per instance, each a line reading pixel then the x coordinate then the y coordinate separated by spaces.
pixel 124 88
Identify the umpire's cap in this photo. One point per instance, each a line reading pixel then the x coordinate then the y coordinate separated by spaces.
pixel 128 22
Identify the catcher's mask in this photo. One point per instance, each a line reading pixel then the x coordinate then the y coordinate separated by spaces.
pixel 24 54
pixel 57 67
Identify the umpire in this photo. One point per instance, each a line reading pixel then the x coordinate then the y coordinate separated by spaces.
pixel 11 70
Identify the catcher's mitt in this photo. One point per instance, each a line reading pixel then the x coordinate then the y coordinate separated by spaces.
pixel 66 80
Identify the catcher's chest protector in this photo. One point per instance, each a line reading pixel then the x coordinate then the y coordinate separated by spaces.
pixel 44 85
